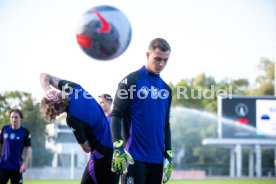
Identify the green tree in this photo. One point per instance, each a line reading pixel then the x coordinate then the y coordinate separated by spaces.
pixel 201 92
pixel 183 95
pixel 8 101
pixel 264 84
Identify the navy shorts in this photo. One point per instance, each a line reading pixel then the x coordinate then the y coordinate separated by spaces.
pixel 143 173
pixel 98 170
pixel 14 175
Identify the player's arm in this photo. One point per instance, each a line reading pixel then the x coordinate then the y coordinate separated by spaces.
pixel 47 80
pixel 121 158
pixel 167 126
pixel 79 129
pixel 123 97
pixel 85 147
pixel 27 157
pixel 168 164
pixel 120 105
pixel 27 152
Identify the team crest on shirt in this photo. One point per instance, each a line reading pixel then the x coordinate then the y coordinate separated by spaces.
pixel 144 91
pixel 12 136
pixel 6 136
pixel 164 94
pixel 153 93
pixel 130 180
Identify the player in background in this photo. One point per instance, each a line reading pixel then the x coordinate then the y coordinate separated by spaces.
pixel 105 101
pixel 14 140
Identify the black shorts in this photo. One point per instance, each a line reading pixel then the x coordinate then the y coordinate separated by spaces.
pixel 143 173
pixel 14 175
pixel 98 170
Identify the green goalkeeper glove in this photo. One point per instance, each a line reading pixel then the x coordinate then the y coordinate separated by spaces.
pixel 121 158
pixel 168 166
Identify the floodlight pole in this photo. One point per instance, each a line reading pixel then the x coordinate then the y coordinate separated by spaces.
pixel 72 163
pixel 219 111
pixel 251 163
pixel 238 150
pixel 258 166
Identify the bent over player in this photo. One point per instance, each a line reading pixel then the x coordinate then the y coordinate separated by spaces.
pixel 87 121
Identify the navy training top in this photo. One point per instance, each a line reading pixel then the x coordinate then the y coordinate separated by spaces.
pixel 13 142
pixel 86 118
pixel 143 102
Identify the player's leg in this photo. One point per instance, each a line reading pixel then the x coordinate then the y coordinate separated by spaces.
pixel 86 178
pixel 136 174
pixel 4 176
pixel 103 171
pixel 98 170
pixel 16 177
pixel 154 173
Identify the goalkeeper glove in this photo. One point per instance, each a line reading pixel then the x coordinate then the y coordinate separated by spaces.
pixel 168 166
pixel 121 158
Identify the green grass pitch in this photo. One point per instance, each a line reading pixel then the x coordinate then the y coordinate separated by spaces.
pixel 207 181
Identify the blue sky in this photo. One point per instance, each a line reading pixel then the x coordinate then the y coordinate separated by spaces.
pixel 222 38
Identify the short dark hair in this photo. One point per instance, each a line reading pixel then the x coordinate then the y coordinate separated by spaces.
pixel 106 97
pixel 17 111
pixel 159 43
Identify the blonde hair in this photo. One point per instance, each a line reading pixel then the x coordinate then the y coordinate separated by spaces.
pixel 49 108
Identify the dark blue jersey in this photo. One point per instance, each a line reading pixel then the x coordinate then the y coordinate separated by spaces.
pixel 86 118
pixel 143 102
pixel 13 142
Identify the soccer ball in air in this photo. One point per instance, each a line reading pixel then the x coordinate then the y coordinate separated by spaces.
pixel 104 32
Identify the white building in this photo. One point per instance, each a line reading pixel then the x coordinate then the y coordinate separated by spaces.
pixel 67 151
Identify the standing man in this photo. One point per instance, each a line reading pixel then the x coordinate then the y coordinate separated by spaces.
pixel 14 139
pixel 105 101
pixel 87 121
pixel 142 104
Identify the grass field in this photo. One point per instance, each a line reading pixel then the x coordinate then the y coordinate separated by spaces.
pixel 208 181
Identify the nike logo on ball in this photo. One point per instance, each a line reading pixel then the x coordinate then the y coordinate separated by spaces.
pixel 105 25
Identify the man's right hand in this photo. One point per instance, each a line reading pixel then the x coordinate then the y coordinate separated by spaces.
pixel 168 166
pixel 121 158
